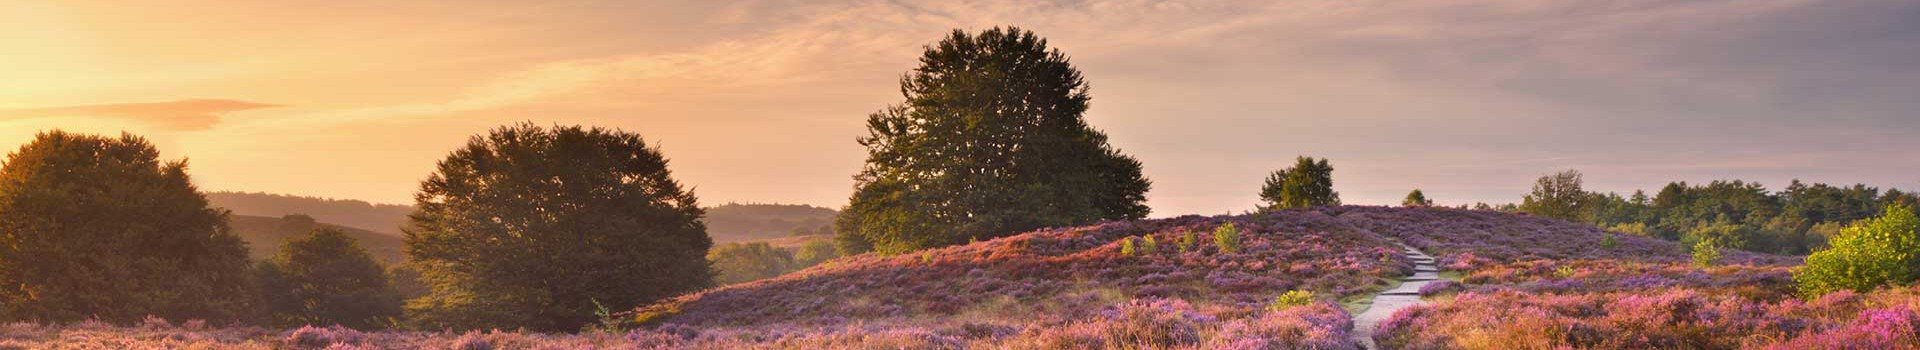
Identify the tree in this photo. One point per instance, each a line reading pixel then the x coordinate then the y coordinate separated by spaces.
pixel 534 227
pixel 325 278
pixel 1556 196
pixel 814 252
pixel 1309 183
pixel 1870 254
pixel 1416 199
pixel 990 142
pixel 742 262
pixel 99 227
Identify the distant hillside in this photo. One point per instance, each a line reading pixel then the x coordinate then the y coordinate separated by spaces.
pixel 733 222
pixel 382 218
pixel 265 234
pixel 1334 252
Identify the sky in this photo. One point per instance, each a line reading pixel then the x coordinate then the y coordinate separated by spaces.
pixel 761 101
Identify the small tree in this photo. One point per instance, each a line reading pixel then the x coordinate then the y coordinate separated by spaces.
pixel 1706 253
pixel 1872 253
pixel 1556 196
pixel 99 227
pixel 1187 240
pixel 742 262
pixel 1227 238
pixel 324 279
pixel 529 227
pixel 1309 183
pixel 1416 199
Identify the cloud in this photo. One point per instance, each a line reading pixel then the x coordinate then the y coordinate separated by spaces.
pixel 194 114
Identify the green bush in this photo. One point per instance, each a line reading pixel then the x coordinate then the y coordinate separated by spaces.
pixel 1149 246
pixel 1871 253
pixel 1126 247
pixel 1607 241
pixel 1290 299
pixel 742 262
pixel 1227 238
pixel 1706 253
pixel 326 278
pixel 1187 239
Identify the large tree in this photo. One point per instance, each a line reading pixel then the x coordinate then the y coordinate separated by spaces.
pixel 99 227
pixel 1309 183
pixel 990 141
pixel 535 227
pixel 325 278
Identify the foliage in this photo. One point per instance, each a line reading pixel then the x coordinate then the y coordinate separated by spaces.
pixel 1149 246
pixel 1309 183
pixel 527 226
pixel 1706 253
pixel 1126 247
pixel 95 227
pixel 1416 199
pixel 325 278
pixel 1557 196
pixel 741 262
pixel 1290 299
pixel 1187 241
pixel 733 222
pixel 991 141
pixel 1872 253
pixel 1227 238
pixel 814 252
pixel 1607 241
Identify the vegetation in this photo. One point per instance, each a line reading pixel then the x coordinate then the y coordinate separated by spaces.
pixel 738 222
pixel 741 262
pixel 1227 238
pixel 265 235
pixel 1309 183
pixel 1557 196
pixel 1416 199
pixel 991 141
pixel 530 227
pixel 1873 253
pixel 1706 253
pixel 375 217
pixel 1290 299
pixel 325 278
pixel 95 227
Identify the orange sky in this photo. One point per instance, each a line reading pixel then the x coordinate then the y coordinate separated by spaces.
pixel 761 100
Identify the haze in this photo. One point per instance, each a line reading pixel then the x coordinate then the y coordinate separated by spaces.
pixel 761 101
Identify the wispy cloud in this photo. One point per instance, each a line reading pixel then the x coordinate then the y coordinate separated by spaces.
pixel 193 114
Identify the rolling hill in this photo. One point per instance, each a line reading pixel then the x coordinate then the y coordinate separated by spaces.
pixel 264 236
pixel 734 222
pixel 380 218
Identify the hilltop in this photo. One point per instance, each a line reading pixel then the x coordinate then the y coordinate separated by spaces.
pixel 735 222
pixel 264 235
pixel 363 215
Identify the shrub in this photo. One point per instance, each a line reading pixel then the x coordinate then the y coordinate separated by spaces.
pixel 1227 238
pixel 325 278
pixel 525 226
pixel 100 227
pixel 1290 299
pixel 1706 253
pixel 1607 241
pixel 1149 246
pixel 1126 247
pixel 742 262
pixel 1871 253
pixel 1187 239
pixel 815 252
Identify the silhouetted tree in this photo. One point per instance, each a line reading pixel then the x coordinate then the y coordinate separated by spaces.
pixel 93 226
pixel 1309 183
pixel 1557 196
pixel 325 278
pixel 990 142
pixel 1416 199
pixel 530 227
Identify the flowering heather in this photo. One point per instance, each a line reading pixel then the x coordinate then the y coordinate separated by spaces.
pixel 1662 319
pixel 1468 239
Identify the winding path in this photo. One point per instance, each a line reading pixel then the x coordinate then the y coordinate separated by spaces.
pixel 1387 302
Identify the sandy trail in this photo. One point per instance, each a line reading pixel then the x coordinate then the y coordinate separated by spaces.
pixel 1387 302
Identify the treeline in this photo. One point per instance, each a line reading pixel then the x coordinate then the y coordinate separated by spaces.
pixel 1797 219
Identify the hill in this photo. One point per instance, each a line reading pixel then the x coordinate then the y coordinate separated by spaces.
pixel 381 218
pixel 265 234
pixel 734 222
pixel 1061 287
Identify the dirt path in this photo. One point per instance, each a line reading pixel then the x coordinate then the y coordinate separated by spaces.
pixel 1387 302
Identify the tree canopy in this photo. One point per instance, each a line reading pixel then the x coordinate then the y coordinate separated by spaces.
pixel 99 227
pixel 990 141
pixel 1556 196
pixel 1308 183
pixel 536 227
pixel 1416 199
pixel 325 278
